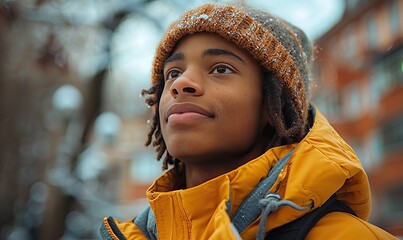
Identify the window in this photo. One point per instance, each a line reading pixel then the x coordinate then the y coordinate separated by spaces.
pixel 393 68
pixel 366 99
pixel 389 72
pixel 392 135
pixel 392 206
pixel 377 86
pixel 360 152
pixel 371 151
pixel 394 17
pixel 328 102
pixel 376 148
pixel 372 32
pixel 351 42
pixel 353 100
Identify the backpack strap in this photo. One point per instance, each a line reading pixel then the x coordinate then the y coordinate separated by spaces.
pixel 299 228
pixel 249 210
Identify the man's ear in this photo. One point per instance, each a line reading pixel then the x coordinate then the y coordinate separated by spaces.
pixel 266 116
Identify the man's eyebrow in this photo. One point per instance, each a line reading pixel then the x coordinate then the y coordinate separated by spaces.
pixel 217 52
pixel 175 57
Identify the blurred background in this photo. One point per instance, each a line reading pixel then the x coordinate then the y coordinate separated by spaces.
pixel 73 126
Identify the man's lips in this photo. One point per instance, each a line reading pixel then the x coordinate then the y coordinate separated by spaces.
pixel 187 111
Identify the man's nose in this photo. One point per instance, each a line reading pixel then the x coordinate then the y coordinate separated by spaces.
pixel 189 83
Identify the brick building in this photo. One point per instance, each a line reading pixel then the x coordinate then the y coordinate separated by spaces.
pixel 360 89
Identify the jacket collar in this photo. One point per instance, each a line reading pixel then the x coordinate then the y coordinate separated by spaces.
pixel 236 184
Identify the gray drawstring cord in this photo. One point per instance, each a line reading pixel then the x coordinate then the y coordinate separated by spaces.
pixel 270 204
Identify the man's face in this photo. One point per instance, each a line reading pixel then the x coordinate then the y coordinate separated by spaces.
pixel 211 109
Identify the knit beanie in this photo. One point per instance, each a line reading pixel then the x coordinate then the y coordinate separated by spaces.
pixel 279 47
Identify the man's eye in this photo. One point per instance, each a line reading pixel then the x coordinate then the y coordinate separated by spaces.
pixel 173 74
pixel 222 70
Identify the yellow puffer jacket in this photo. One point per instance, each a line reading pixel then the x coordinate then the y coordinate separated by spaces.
pixel 321 165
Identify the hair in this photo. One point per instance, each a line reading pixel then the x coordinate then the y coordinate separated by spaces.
pixel 288 124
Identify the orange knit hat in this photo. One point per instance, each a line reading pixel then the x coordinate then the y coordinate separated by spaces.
pixel 278 46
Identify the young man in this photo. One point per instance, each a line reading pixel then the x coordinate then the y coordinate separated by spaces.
pixel 252 158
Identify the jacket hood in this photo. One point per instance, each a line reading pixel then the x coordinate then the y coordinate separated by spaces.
pixel 322 164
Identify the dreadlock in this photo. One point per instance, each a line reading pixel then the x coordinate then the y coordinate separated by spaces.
pixel 154 135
